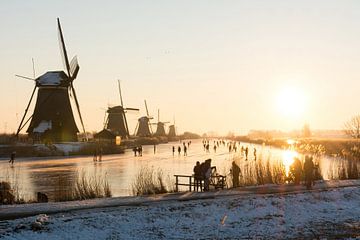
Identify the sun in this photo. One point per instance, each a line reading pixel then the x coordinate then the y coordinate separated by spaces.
pixel 291 102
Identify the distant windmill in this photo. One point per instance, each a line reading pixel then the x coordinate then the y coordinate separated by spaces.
pixel 116 118
pixel 160 127
pixel 172 130
pixel 143 127
pixel 53 119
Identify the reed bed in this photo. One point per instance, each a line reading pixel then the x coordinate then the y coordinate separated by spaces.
pixel 84 187
pixel 149 181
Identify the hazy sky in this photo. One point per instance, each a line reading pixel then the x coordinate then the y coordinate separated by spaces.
pixel 215 65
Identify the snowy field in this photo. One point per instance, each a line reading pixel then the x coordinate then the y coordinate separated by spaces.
pixel 327 214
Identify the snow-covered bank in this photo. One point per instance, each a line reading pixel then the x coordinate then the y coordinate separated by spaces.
pixel 25 210
pixel 333 213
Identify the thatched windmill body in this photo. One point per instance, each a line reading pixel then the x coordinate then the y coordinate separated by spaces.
pixel 116 121
pixel 143 127
pixel 53 119
pixel 172 130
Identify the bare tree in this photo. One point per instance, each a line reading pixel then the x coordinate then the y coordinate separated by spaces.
pixel 352 127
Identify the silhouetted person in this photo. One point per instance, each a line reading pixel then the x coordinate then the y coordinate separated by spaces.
pixel 135 149
pixel 246 152
pixel 198 176
pixel 154 148
pixel 255 154
pixel 12 157
pixel 206 170
pixel 140 151
pixel 296 170
pixel 99 154
pixel 308 170
pixel 179 150
pixel 173 150
pixel 185 150
pixel 95 155
pixel 235 171
pixel 215 148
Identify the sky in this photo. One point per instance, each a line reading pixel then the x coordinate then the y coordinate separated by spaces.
pixel 212 65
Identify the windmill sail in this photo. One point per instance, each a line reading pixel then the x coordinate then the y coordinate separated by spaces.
pixel 63 48
pixel 74 67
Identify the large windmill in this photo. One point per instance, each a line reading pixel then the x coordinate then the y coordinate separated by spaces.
pixel 143 127
pixel 53 119
pixel 160 127
pixel 116 118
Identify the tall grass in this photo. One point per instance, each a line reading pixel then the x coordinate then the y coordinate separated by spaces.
pixel 259 172
pixel 84 187
pixel 13 181
pixel 149 181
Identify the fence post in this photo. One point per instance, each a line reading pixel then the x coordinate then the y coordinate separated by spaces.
pixel 176 184
pixel 190 183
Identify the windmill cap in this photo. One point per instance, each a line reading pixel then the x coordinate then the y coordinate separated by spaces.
pixel 53 78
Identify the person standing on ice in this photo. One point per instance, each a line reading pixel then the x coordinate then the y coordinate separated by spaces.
pixel 12 157
pixel 179 150
pixel 140 151
pixel 308 170
pixel 173 150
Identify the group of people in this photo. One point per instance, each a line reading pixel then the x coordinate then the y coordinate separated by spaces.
pixel 232 146
pixel 202 172
pixel 309 171
pixel 138 151
pixel 185 148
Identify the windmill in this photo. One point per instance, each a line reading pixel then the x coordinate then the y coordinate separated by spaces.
pixel 53 119
pixel 160 127
pixel 143 127
pixel 172 130
pixel 116 118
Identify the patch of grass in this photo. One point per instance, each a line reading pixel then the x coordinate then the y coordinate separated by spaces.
pixel 259 173
pixel 85 187
pixel 149 181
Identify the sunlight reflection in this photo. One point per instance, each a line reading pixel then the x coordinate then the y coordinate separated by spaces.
pixel 288 159
pixel 290 141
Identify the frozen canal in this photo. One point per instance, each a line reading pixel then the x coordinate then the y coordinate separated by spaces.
pixel 33 175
